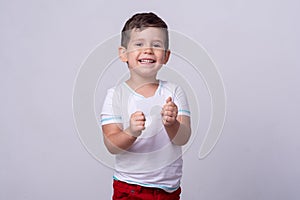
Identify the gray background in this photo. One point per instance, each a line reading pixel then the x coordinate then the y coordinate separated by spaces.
pixel 253 43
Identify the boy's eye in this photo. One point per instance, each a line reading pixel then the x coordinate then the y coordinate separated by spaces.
pixel 157 45
pixel 138 44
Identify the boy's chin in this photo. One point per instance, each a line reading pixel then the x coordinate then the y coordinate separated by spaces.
pixel 148 65
pixel 145 71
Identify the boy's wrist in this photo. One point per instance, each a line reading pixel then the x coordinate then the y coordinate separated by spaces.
pixel 168 124
pixel 131 133
pixel 172 127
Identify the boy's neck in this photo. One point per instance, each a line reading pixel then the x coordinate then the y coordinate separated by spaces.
pixel 140 81
pixel 145 87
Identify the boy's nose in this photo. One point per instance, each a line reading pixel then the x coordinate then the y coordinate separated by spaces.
pixel 148 50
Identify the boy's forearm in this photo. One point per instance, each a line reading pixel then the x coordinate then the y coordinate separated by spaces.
pixel 178 133
pixel 119 142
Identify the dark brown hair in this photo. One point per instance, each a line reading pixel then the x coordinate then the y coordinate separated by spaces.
pixel 141 21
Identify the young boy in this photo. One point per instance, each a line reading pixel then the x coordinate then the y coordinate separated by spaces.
pixel 145 121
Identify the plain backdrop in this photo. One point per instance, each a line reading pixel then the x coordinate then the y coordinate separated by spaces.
pixel 255 45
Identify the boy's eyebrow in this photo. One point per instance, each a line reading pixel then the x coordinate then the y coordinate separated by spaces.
pixel 138 39
pixel 158 40
pixel 142 39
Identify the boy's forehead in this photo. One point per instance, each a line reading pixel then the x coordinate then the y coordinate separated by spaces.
pixel 148 33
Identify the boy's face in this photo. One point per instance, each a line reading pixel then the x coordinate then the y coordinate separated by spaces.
pixel 145 52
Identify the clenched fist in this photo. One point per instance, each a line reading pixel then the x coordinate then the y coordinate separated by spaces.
pixel 169 112
pixel 137 124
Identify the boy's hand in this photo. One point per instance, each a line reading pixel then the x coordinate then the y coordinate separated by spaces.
pixel 169 112
pixel 137 124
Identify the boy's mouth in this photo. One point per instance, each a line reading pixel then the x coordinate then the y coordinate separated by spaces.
pixel 146 61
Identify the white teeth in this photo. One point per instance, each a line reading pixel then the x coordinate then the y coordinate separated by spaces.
pixel 146 61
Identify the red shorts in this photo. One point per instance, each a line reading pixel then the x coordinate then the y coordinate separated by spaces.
pixel 125 191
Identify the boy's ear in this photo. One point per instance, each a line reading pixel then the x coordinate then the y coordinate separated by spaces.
pixel 167 56
pixel 122 54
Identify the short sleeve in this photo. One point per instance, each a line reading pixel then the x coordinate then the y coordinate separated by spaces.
pixel 181 101
pixel 110 111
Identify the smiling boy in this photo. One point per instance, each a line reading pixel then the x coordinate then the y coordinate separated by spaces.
pixel 145 121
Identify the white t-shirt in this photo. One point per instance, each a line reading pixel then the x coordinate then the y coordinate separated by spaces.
pixel 153 160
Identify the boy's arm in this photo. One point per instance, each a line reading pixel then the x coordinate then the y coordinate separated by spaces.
pixel 117 140
pixel 177 127
pixel 179 132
